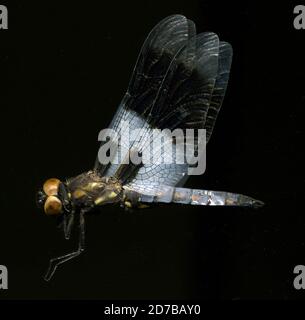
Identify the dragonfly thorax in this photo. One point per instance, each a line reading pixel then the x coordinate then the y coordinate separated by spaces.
pixel 89 190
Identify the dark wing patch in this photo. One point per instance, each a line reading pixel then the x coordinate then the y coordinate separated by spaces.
pixel 224 66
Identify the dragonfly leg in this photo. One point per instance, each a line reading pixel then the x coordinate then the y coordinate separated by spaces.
pixel 69 221
pixel 55 262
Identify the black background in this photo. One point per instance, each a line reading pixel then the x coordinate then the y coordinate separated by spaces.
pixel 65 67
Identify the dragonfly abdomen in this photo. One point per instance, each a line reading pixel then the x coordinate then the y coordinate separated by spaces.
pixel 167 194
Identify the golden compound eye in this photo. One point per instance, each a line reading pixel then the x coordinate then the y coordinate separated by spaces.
pixel 50 187
pixel 52 206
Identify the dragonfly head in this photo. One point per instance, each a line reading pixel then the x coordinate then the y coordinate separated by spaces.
pixel 49 198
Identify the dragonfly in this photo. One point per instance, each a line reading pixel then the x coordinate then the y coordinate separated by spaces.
pixel 179 81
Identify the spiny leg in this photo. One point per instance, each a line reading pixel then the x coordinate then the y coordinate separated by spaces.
pixel 55 262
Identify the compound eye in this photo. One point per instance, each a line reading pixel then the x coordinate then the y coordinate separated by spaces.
pixel 50 187
pixel 52 206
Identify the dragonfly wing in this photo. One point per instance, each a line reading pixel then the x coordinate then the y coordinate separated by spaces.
pixel 155 57
pixel 189 98
pixel 224 66
pixel 179 82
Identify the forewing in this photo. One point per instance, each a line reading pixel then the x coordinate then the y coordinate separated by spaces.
pixel 159 49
